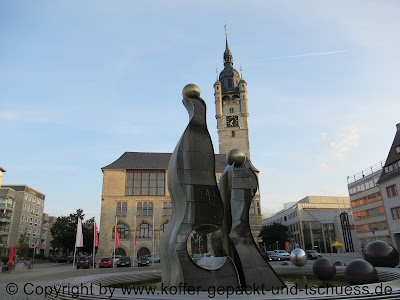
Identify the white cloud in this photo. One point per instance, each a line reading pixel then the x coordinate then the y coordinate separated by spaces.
pixel 345 142
pixel 339 147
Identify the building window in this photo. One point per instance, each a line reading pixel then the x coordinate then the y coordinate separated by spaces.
pixel 233 134
pixel 144 231
pixel 398 149
pixel 229 83
pixel 28 207
pixel 144 209
pixel 391 191
pixel 145 183
pixel 22 217
pixel 252 210
pixel 118 209
pixel 139 209
pixel 170 209
pixel 124 209
pixel 231 110
pixel 165 209
pixel 150 211
pixel 163 228
pixel 395 212
pixel 123 231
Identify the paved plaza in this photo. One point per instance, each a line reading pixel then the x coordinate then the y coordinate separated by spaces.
pixel 28 284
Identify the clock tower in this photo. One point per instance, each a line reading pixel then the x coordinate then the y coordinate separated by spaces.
pixel 230 91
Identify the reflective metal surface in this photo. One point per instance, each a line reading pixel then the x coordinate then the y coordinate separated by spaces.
pixel 381 254
pixel 298 257
pixel 360 272
pixel 324 269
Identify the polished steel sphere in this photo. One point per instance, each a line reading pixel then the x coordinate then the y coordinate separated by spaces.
pixel 298 257
pixel 191 91
pixel 236 156
pixel 360 271
pixel 324 269
pixel 381 254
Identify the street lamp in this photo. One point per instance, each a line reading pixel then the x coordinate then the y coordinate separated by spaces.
pixel 277 242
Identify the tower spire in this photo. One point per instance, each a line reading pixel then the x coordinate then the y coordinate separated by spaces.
pixel 227 53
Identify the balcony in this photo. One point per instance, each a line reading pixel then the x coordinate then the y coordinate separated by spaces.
pixel 5 217
pixel 5 230
pixel 8 205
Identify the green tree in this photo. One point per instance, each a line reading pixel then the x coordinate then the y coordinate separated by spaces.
pixel 63 231
pixel 23 241
pixel 272 233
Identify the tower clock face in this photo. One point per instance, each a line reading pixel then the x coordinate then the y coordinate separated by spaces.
pixel 232 121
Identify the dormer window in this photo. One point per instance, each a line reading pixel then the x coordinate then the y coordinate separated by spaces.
pixel 398 149
pixel 229 83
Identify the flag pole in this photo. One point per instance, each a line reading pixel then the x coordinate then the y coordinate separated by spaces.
pixel 153 241
pixel 134 245
pixel 115 239
pixel 94 241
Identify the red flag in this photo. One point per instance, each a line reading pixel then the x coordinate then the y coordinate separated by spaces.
pixel 96 238
pixel 11 255
pixel 135 237
pixel 117 241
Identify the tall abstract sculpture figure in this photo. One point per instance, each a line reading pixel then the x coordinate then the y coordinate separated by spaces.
pixel 199 205
pixel 238 185
pixel 196 202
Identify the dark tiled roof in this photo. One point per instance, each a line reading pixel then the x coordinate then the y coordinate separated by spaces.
pixel 154 161
pixel 393 156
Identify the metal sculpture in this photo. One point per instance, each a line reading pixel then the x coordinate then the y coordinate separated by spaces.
pixel 196 202
pixel 298 257
pixel 381 254
pixel 198 205
pixel 361 272
pixel 238 185
pixel 324 269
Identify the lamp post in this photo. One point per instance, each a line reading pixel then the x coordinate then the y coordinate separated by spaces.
pixel 277 242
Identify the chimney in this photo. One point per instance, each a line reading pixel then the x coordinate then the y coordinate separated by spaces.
pixel 398 126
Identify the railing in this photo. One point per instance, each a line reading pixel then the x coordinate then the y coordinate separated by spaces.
pixel 10 205
pixel 4 229
pixel 3 216
pixel 368 171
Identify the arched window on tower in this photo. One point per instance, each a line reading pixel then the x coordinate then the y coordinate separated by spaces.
pixel 165 209
pixel 139 209
pixel 118 210
pixel 252 209
pixel 124 209
pixel 258 208
pixel 145 209
pixel 150 211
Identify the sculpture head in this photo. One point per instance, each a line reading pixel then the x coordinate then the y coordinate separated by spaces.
pixel 236 156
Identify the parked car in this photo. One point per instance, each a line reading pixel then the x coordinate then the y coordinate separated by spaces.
pixel 106 263
pixel 143 261
pixel 312 254
pixel 124 261
pixel 283 255
pixel 84 262
pixel 152 258
pixel 65 259
pixel 271 255
pixel 115 258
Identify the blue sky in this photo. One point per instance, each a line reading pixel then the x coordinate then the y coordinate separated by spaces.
pixel 83 82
